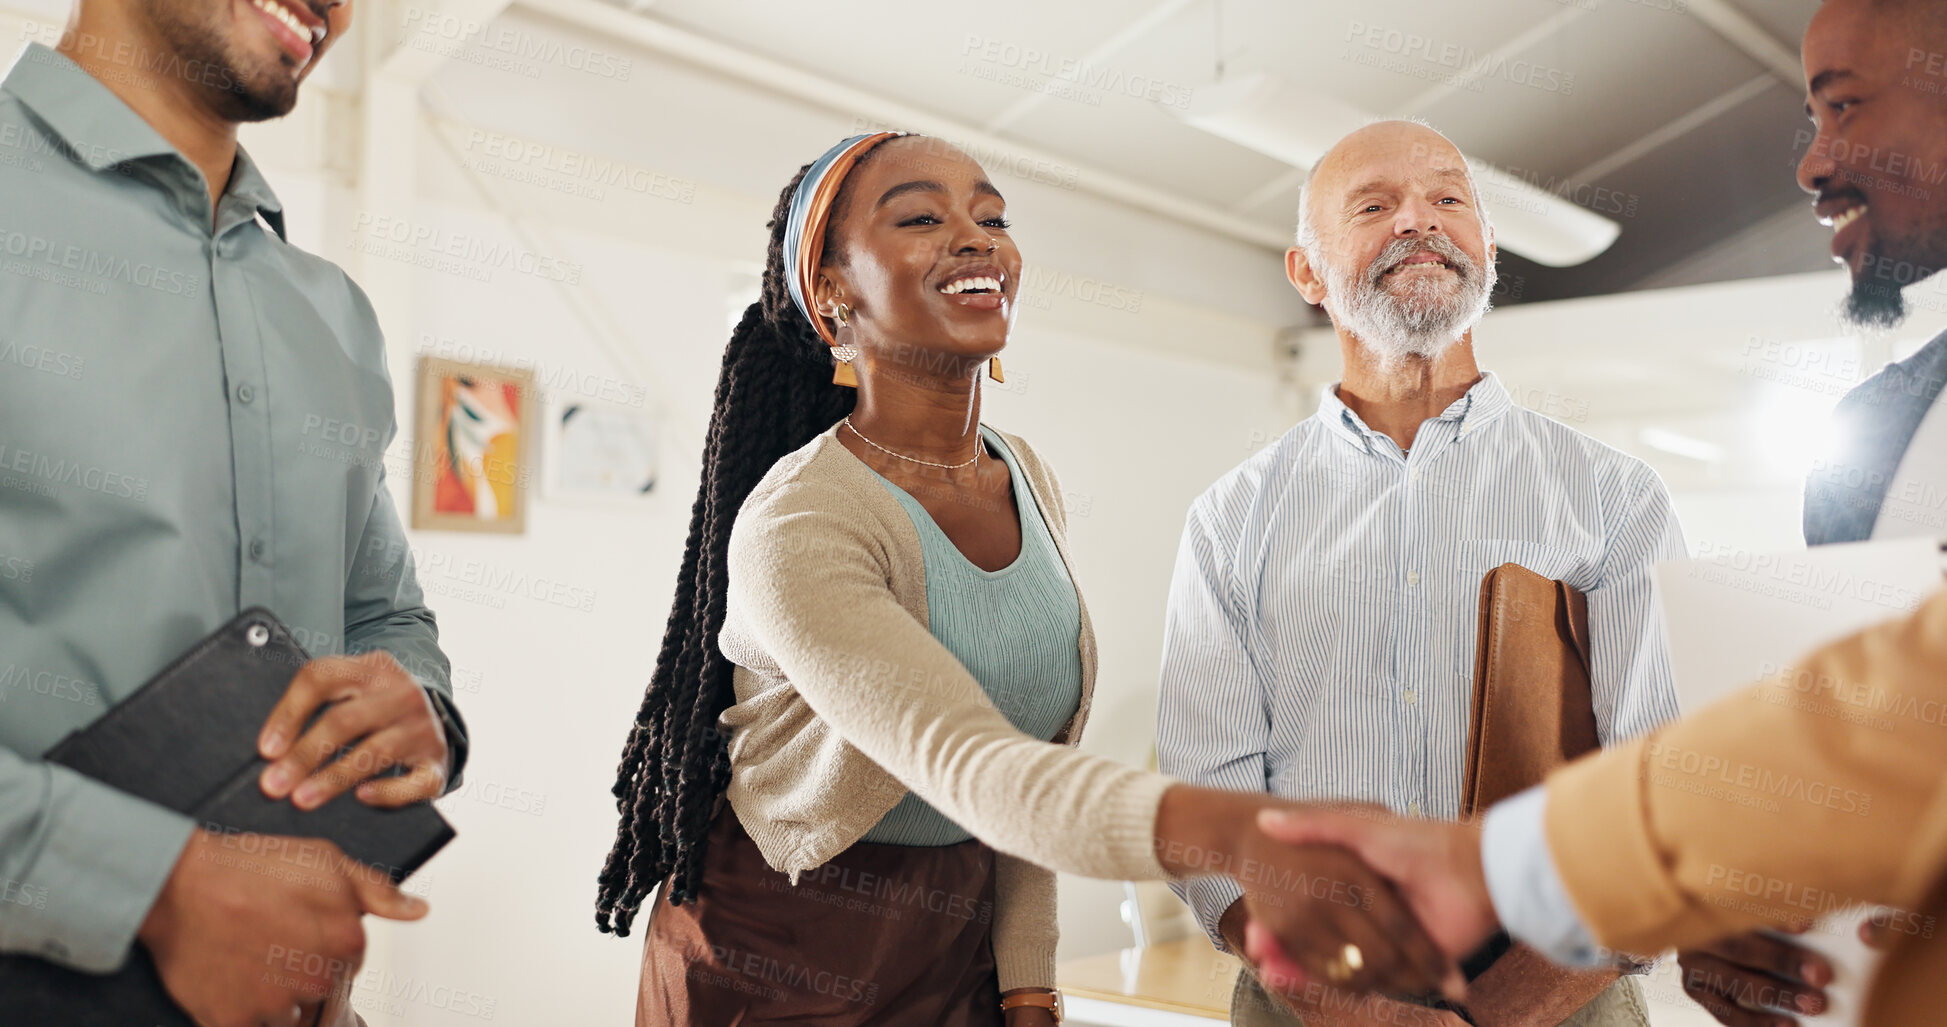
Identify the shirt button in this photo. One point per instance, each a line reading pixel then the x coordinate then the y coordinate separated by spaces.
pixel 1412 809
pixel 257 549
pixel 245 393
pixel 1411 697
pixel 1412 577
pixel 1413 474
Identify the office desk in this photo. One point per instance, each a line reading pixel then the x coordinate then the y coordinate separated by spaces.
pixel 1183 983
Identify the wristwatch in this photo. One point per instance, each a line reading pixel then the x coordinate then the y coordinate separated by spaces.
pixel 1049 1000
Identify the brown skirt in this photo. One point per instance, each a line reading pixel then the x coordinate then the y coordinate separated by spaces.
pixel 881 935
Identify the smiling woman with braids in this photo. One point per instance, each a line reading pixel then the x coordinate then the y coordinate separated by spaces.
pixel 874 639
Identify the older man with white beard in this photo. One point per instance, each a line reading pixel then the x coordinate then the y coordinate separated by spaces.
pixel 1320 640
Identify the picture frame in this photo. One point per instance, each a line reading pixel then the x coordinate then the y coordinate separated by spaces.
pixel 473 451
pixel 601 454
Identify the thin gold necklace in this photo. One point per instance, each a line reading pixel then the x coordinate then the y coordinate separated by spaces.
pixel 975 459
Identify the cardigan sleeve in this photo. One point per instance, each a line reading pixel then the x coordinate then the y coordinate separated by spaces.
pixel 1796 797
pixel 1025 928
pixel 808 589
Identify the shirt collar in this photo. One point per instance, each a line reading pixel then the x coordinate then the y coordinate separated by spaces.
pixel 101 131
pixel 1486 401
pixel 248 185
pixel 1339 418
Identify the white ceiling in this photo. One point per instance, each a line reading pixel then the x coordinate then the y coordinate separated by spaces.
pixel 1663 114
pixel 1629 70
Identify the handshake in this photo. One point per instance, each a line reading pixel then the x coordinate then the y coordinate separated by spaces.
pixel 1353 898
pixel 1349 897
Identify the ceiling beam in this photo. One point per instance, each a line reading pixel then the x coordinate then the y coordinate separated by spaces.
pixel 684 46
pixel 1740 31
pixel 1506 52
pixel 1663 134
pixel 1283 181
pixel 1115 44
pixel 1786 242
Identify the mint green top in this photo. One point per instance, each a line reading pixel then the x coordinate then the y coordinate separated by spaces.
pixel 1017 630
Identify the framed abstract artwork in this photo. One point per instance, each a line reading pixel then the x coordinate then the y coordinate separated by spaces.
pixel 474 453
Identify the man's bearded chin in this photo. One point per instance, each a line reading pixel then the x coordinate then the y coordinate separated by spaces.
pixel 1878 300
pixel 1874 303
pixel 1425 315
pixel 197 39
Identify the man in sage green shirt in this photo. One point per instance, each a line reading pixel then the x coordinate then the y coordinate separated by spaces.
pixel 193 419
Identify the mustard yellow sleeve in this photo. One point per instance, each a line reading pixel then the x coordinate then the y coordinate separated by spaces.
pixel 1803 794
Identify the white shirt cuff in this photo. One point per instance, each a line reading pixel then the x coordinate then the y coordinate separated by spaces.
pixel 1525 886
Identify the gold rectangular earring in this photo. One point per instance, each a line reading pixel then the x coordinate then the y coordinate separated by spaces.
pixel 842 357
pixel 994 369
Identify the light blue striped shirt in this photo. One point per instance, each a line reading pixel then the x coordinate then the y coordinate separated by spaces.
pixel 1320 640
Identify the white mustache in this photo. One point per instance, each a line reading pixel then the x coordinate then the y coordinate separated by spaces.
pixel 1440 246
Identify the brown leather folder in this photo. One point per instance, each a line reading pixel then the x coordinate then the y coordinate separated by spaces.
pixel 1532 708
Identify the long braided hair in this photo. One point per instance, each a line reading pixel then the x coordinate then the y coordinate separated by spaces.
pixel 774 395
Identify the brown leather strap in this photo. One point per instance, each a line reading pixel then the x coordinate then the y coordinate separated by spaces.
pixel 1576 606
pixel 1049 1000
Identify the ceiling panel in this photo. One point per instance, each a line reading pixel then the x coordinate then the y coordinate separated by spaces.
pixel 1785 20
pixel 1689 196
pixel 1543 87
pixel 1376 54
pixel 936 56
pixel 1606 102
pixel 1144 142
pixel 637 120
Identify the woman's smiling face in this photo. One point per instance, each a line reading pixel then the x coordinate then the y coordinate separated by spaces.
pixel 919 249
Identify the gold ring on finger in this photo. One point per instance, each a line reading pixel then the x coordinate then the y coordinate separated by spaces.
pixel 1348 962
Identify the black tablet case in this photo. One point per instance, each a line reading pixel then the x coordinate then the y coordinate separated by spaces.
pixel 187 740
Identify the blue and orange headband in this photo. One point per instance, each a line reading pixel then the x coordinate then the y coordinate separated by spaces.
pixel 811 207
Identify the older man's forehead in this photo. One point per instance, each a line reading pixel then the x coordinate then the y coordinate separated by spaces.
pixel 1377 179
pixel 1422 149
pixel 1437 155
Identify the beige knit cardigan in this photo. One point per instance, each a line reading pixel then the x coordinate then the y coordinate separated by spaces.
pixel 845 701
